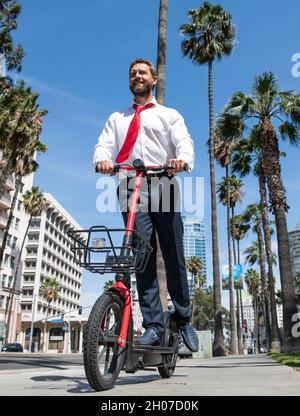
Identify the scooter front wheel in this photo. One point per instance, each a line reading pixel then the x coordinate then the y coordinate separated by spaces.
pixel 171 340
pixel 102 357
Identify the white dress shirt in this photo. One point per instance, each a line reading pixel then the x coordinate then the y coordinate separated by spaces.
pixel 163 135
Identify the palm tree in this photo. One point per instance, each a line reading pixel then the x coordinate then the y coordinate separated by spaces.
pixel 209 36
pixel 8 22
pixel 253 214
pixel 19 142
pixel 247 158
pixel 224 191
pixel 20 127
pixel 253 257
pixel 297 281
pixel 194 266
pixel 253 283
pixel 266 105
pixel 160 97
pixel 108 284
pixel 34 204
pixel 49 289
pixel 239 228
pixel 239 231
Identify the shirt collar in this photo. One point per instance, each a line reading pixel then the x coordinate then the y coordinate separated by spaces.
pixel 153 101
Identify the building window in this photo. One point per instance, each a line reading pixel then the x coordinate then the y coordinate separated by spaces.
pixel 17 223
pixel 4 277
pixel 12 262
pixel 14 244
pixel 33 237
pixel 9 281
pixel 19 206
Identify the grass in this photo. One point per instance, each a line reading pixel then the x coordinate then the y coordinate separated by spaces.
pixel 291 359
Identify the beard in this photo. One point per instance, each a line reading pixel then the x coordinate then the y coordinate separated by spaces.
pixel 140 90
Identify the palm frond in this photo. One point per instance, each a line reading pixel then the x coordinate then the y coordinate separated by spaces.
pixel 290 132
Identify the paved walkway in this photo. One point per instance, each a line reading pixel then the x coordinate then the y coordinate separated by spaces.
pixel 256 375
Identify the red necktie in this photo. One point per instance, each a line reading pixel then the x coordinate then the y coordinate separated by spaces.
pixel 132 133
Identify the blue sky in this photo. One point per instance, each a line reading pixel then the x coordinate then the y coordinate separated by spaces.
pixel 77 58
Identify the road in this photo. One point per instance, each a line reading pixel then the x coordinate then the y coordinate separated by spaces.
pixel 23 361
pixel 63 375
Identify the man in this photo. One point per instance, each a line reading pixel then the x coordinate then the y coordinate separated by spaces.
pixel 157 135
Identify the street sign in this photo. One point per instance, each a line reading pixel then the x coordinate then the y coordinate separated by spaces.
pixel 56 338
pixel 237 270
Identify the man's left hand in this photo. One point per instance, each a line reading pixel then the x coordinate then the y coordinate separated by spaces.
pixel 178 165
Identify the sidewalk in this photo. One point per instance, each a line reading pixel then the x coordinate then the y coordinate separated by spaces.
pixel 256 375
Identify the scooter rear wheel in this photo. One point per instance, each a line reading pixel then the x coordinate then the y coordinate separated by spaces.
pixel 102 357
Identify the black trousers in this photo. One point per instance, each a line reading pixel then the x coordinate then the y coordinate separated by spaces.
pixel 154 215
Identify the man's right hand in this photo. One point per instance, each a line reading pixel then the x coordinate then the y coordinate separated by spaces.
pixel 105 166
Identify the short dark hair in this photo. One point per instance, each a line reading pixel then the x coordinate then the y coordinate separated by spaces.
pixel 144 61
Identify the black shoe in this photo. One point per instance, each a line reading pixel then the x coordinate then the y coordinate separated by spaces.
pixel 149 337
pixel 189 337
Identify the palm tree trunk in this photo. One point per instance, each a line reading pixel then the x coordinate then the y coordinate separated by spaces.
pixel 194 296
pixel 233 328
pixel 238 319
pixel 277 195
pixel 45 329
pixel 232 235
pixel 161 52
pixel 218 344
pixel 240 290
pixel 257 336
pixel 263 276
pixel 160 97
pixel 6 230
pixel 15 283
pixel 275 340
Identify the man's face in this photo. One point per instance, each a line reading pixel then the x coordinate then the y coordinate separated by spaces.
pixel 141 80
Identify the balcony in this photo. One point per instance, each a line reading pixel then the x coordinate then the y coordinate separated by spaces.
pixel 32 243
pixel 26 297
pixel 9 185
pixel 5 202
pixel 3 220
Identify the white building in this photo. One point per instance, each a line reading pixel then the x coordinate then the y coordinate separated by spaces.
pixel 279 316
pixel 136 310
pixel 48 254
pixel 11 254
pixel 294 240
pixel 194 243
pixel 248 311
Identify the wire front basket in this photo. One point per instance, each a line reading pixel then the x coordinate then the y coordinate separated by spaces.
pixel 100 250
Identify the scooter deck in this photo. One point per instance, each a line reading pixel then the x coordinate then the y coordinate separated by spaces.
pixel 158 349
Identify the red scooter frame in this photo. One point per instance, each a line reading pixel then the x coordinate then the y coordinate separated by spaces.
pixel 120 286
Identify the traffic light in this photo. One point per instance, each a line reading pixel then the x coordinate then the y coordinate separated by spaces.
pixel 80 310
